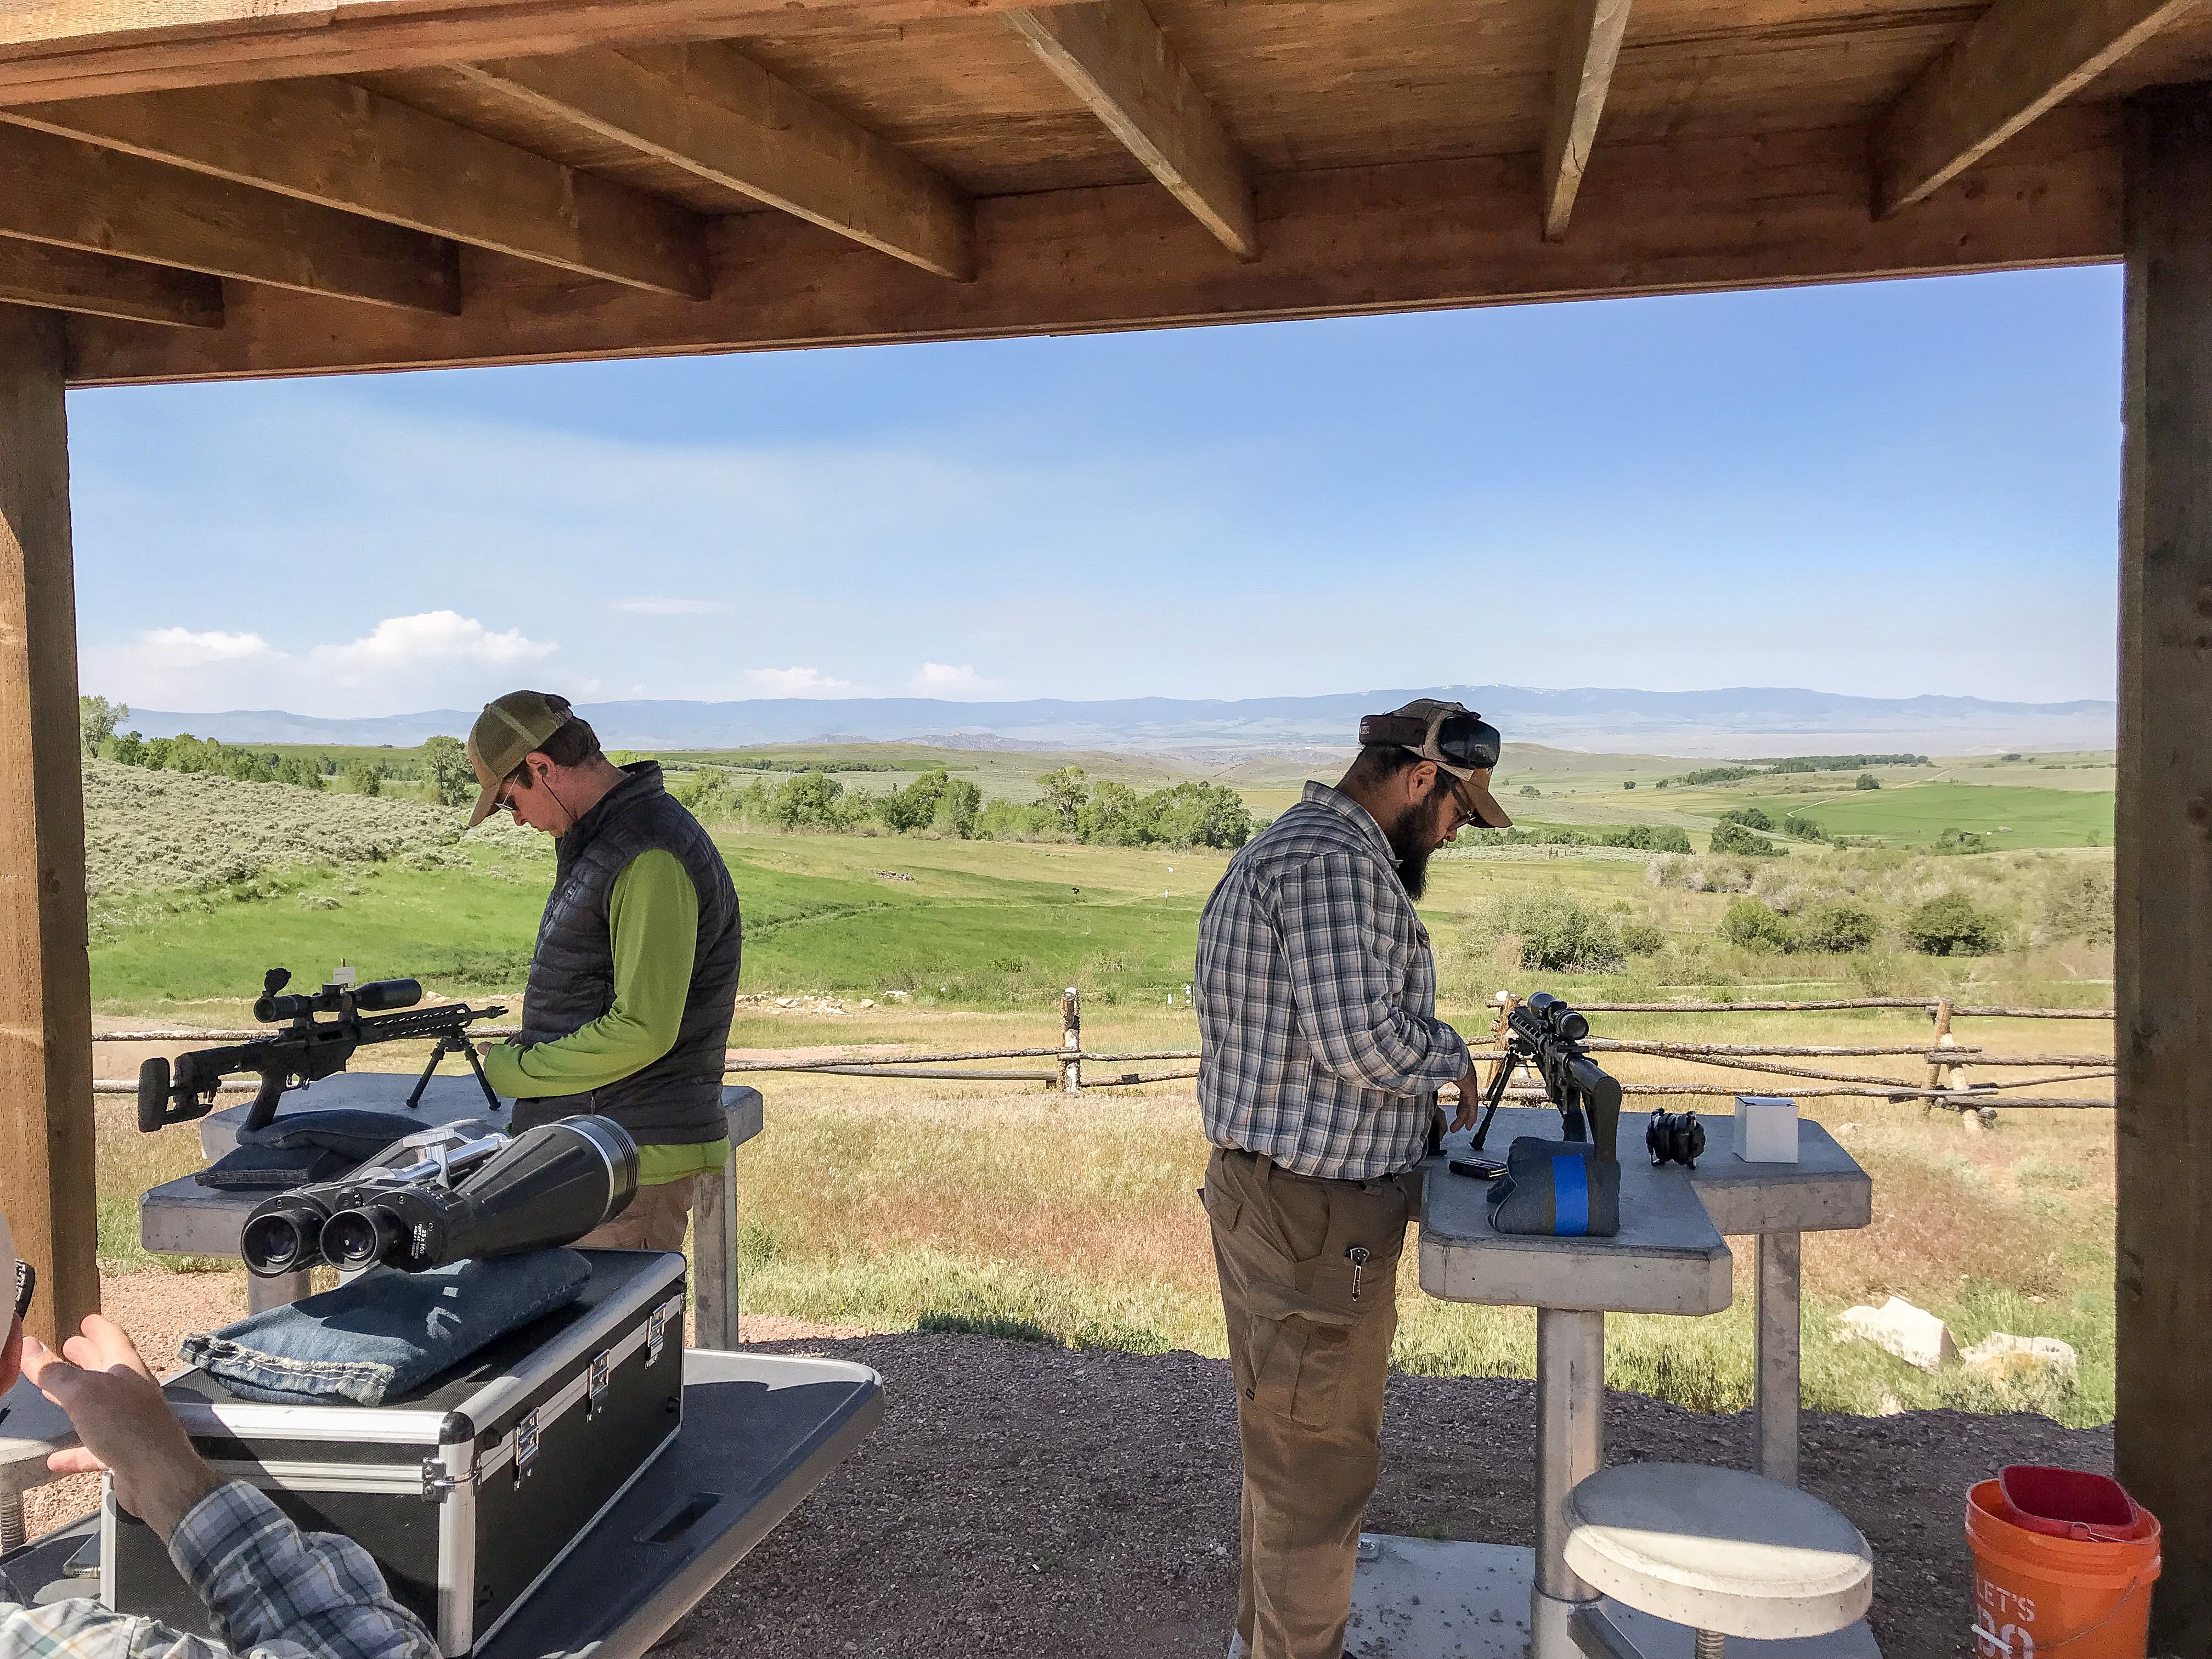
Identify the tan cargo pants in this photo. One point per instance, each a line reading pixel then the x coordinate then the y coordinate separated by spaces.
pixel 657 1218
pixel 1310 1321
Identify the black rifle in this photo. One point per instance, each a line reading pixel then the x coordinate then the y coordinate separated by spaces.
pixel 308 1049
pixel 1545 1033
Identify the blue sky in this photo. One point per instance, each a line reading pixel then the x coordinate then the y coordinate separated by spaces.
pixel 1886 489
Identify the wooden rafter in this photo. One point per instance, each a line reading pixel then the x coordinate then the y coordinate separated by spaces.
pixel 2021 58
pixel 1587 51
pixel 344 147
pixel 63 279
pixel 1683 216
pixel 70 49
pixel 720 117
pixel 1114 57
pixel 102 201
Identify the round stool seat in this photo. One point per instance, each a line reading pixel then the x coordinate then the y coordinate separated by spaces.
pixel 1718 1549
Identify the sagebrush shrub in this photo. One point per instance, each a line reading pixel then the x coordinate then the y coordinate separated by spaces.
pixel 1750 923
pixel 1558 932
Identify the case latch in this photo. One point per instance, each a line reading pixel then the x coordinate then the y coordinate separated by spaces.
pixel 438 1481
pixel 525 1446
pixel 656 1333
pixel 602 1367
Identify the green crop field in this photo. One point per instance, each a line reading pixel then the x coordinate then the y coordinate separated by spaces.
pixel 2009 815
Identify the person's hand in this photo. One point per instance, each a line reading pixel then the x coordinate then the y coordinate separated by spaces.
pixel 124 1422
pixel 1470 1100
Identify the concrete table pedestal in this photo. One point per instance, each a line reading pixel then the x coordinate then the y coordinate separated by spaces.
pixel 1669 1257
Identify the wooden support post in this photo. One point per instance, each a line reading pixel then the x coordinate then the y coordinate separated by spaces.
pixel 1070 1041
pixel 2162 953
pixel 46 984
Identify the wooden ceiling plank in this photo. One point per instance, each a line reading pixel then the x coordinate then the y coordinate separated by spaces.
pixel 1112 55
pixel 102 201
pixel 53 49
pixel 63 279
pixel 720 117
pixel 345 148
pixel 1589 50
pixel 2020 59
pixel 1761 211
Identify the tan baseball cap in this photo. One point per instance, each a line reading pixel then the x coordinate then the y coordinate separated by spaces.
pixel 510 728
pixel 1456 738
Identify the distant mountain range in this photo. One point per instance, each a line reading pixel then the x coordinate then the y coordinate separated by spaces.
pixel 1743 722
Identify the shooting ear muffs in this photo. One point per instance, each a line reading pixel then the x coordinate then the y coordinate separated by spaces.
pixel 1675 1137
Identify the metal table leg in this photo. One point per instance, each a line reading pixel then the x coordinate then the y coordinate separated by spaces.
pixel 1776 1391
pixel 280 1292
pixel 1570 1448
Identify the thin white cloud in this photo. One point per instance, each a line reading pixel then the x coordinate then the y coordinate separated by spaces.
pixel 671 607
pixel 408 644
pixel 939 679
pixel 798 683
pixel 183 648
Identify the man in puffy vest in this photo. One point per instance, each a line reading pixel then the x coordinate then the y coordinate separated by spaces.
pixel 634 973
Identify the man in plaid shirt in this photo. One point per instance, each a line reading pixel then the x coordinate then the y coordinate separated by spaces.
pixel 1322 1057
pixel 269 1589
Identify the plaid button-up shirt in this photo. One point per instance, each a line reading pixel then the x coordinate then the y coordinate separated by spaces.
pixel 1316 1000
pixel 271 1589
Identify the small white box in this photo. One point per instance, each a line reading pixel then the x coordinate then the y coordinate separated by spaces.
pixel 1766 1129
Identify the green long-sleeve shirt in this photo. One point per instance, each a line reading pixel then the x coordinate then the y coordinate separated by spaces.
pixel 652 917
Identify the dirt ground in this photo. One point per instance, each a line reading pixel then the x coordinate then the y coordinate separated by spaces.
pixel 1026 1499
pixel 1021 1499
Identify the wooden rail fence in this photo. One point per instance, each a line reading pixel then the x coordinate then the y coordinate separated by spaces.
pixel 1949 1081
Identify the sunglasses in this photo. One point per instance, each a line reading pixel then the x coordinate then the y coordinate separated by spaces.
pixel 26 1282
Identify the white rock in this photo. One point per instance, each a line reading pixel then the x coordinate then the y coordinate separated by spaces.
pixel 2004 1356
pixel 1913 1334
pixel 865 1002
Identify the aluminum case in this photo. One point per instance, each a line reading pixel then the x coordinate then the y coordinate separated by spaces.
pixel 468 1492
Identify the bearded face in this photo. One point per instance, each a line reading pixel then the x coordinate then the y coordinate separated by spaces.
pixel 1418 830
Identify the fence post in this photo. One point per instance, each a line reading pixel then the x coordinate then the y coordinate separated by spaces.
pixel 1070 1041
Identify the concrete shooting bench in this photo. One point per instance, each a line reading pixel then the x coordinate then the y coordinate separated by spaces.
pixel 1421 1600
pixel 760 1432
pixel 182 1218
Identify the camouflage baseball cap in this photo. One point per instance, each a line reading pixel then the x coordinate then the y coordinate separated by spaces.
pixel 510 728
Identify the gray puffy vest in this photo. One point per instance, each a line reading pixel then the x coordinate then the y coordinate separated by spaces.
pixel 678 1098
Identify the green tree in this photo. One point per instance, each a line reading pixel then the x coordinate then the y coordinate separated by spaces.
pixel 808 801
pixel 301 773
pixel 1952 925
pixel 914 806
pixel 1840 927
pixel 364 777
pixel 452 778
pixel 158 750
pixel 1116 816
pixel 1629 783
pixel 1749 817
pixel 958 805
pixel 130 749
pixel 1729 837
pixel 1867 780
pixel 96 719
pixel 1063 793
pixel 1751 924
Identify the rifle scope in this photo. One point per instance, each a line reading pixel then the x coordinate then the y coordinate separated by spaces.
pixel 371 998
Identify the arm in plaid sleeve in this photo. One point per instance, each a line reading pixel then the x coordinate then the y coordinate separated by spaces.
pixel 272 1589
pixel 1342 983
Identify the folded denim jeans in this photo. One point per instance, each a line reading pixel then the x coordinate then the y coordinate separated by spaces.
pixel 385 1334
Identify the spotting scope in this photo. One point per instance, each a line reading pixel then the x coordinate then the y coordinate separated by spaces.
pixel 491 1196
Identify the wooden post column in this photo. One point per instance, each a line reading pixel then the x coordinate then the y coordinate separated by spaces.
pixel 45 988
pixel 2163 853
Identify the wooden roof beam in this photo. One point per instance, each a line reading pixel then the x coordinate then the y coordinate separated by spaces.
pixel 73 195
pixel 54 48
pixel 722 117
pixel 346 148
pixel 2020 59
pixel 1114 57
pixel 1589 50
pixel 63 279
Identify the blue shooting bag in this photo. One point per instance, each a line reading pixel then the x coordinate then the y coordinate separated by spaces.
pixel 1557 1189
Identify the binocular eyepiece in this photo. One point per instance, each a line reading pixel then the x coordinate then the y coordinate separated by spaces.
pixel 549 1186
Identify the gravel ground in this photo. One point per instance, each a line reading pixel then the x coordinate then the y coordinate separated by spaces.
pixel 1021 1498
pixel 1025 1499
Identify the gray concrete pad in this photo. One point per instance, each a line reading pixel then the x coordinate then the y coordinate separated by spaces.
pixel 1419 1598
pixel 1668 1257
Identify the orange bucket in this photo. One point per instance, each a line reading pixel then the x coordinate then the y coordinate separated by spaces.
pixel 2039 1595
